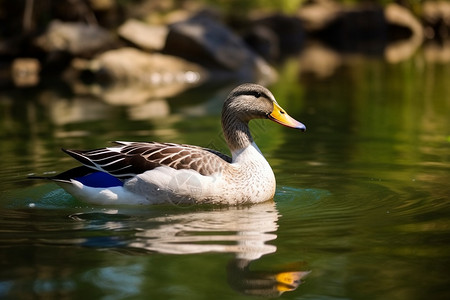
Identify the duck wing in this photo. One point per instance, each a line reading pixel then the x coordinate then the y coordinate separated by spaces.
pixel 129 159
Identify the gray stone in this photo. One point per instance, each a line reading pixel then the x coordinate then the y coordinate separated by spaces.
pixel 209 43
pixel 75 38
pixel 129 64
pixel 145 36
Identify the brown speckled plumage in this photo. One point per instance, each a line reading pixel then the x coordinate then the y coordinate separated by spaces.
pixel 134 158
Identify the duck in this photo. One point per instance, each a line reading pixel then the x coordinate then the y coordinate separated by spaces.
pixel 142 173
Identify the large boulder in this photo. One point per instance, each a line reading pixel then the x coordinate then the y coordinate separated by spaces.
pixel 136 66
pixel 275 36
pixel 204 40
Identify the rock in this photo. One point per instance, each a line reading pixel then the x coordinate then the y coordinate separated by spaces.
pixel 289 30
pixel 319 14
pixel 25 72
pixel 135 76
pixel 436 18
pixel 276 36
pixel 145 36
pixel 263 41
pixel 406 33
pixel 357 30
pixel 76 38
pixel 204 40
pixel 133 65
pixel 368 29
pixel 102 4
pixel 399 17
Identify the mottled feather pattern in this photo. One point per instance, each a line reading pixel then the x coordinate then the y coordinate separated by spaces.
pixel 133 158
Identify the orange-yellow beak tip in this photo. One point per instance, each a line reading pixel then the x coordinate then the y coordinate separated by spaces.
pixel 281 117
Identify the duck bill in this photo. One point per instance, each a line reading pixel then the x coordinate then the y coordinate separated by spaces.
pixel 280 116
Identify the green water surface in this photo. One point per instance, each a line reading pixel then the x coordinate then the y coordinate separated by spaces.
pixel 361 211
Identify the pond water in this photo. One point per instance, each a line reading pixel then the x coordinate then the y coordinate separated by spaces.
pixel 361 210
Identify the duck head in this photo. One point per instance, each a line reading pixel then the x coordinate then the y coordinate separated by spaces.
pixel 252 101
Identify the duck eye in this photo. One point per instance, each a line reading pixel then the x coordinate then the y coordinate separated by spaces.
pixel 257 94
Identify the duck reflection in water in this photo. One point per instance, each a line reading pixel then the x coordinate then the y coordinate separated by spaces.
pixel 241 230
pixel 264 283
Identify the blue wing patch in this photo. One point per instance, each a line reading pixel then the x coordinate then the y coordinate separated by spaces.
pixel 99 180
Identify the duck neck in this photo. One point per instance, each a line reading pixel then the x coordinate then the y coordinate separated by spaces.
pixel 236 133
